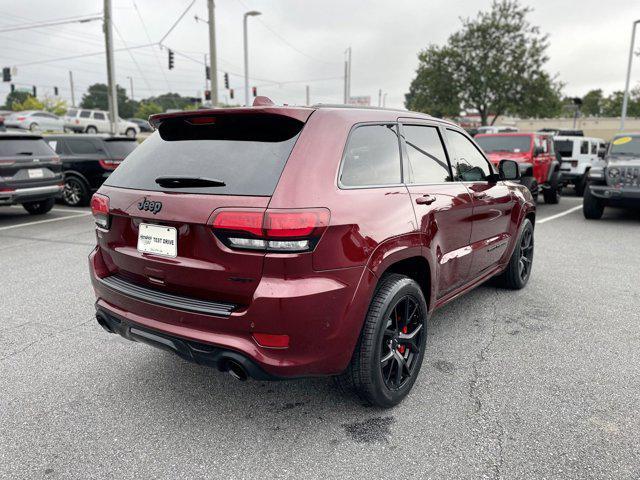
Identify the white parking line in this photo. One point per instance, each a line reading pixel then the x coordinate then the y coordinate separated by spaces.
pixel 45 221
pixel 558 215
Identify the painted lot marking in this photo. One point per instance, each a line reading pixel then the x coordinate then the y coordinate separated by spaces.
pixel 558 215
pixel 28 224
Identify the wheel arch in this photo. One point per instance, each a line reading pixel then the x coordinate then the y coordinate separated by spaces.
pixel 417 268
pixel 75 173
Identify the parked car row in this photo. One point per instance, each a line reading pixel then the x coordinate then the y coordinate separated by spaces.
pixel 81 120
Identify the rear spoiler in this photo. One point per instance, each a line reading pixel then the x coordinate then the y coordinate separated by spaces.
pixel 297 113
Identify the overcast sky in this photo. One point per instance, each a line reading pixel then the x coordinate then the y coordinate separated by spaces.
pixel 299 42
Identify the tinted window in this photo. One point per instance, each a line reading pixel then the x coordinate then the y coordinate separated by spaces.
pixel 594 148
pixel 85 113
pixel 11 147
pixel 81 146
pixel 121 148
pixel 247 153
pixel 98 115
pixel 72 112
pixel 372 157
pixel 427 162
pixel 56 145
pixel 584 147
pixel 505 143
pixel 470 165
pixel 565 147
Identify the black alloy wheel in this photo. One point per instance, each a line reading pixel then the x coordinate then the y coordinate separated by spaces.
pixel 401 340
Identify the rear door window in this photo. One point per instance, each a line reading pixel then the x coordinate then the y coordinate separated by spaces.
pixel 564 147
pixel 120 148
pixel 98 115
pixel 584 148
pixel 246 152
pixel 470 165
pixel 81 146
pixel 372 157
pixel 427 161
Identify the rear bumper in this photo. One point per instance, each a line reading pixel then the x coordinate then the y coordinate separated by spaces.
pixel 322 314
pixel 30 194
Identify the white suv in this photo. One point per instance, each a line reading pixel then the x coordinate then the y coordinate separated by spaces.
pixel 96 121
pixel 579 155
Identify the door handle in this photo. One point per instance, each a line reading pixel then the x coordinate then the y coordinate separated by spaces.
pixel 479 195
pixel 425 200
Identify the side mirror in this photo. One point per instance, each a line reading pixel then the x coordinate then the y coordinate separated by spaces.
pixel 508 170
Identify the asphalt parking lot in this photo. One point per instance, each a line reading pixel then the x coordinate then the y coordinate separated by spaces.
pixel 540 383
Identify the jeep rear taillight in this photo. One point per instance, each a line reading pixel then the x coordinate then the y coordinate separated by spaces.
pixel 100 210
pixel 109 164
pixel 275 230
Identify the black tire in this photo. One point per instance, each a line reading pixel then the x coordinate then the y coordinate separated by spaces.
pixel 581 184
pixel 532 186
pixel 75 192
pixel 514 277
pixel 33 127
pixel 91 129
pixel 552 194
pixel 130 132
pixel 39 208
pixel 364 375
pixel 592 206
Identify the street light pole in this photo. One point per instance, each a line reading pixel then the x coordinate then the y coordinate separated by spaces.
pixel 212 54
pixel 111 74
pixel 625 100
pixel 252 13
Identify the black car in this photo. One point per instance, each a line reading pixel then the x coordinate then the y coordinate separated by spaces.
pixel 617 184
pixel 87 160
pixel 143 124
pixel 30 172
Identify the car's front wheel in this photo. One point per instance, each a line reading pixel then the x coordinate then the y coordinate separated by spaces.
pixel 131 133
pixel 33 127
pixel 40 207
pixel 389 353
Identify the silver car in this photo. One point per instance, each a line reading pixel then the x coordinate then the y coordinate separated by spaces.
pixel 35 120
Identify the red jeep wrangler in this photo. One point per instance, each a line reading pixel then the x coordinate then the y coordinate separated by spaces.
pixel 534 152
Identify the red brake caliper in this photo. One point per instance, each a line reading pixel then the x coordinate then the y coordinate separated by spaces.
pixel 401 348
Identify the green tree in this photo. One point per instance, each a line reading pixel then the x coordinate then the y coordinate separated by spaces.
pixel 97 98
pixel 54 105
pixel 592 103
pixel 493 64
pixel 15 97
pixel 146 109
pixel 170 100
pixel 30 103
pixel 612 105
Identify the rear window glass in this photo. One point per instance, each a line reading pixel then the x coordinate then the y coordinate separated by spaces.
pixel 372 157
pixel 85 114
pixel 82 146
pixel 121 148
pixel 565 147
pixel 247 153
pixel 505 143
pixel 24 146
pixel 72 112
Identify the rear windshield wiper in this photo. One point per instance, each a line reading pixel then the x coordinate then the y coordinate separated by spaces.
pixel 24 153
pixel 186 181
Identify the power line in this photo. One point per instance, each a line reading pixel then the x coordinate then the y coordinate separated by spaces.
pixel 155 54
pixel 132 57
pixel 61 21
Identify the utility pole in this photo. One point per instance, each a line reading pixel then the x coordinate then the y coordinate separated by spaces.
pixel 212 53
pixel 349 74
pixel 625 100
pixel 380 97
pixel 346 70
pixel 111 74
pixel 307 95
pixel 130 87
pixel 73 97
pixel 252 13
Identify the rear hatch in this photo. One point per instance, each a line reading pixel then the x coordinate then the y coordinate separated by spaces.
pixel 27 161
pixel 223 159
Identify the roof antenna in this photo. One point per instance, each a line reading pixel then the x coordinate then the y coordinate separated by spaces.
pixel 261 101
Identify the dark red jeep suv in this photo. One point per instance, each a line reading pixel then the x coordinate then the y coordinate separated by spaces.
pixel 279 242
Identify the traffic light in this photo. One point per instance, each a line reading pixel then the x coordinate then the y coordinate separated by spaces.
pixel 35 92
pixel 255 91
pixel 55 91
pixel 170 59
pixel 207 94
pixel 207 70
pixel 6 74
pixel 231 93
pixel 226 80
